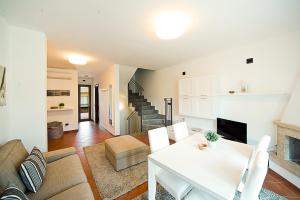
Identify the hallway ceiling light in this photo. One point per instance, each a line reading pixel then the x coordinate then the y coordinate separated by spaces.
pixel 77 59
pixel 170 25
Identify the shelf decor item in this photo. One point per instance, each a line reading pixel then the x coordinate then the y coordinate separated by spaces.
pixel 244 87
pixel 212 137
pixel 61 105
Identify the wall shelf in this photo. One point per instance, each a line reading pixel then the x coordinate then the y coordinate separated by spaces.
pixel 59 109
pixel 59 78
pixel 254 94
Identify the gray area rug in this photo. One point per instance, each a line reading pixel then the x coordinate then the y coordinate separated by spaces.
pixel 162 194
pixel 112 184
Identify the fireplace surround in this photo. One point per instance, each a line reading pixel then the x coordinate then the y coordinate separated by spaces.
pixel 287 153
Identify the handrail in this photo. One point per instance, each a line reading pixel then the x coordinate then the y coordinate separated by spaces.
pixel 136 85
pixel 129 119
pixel 131 115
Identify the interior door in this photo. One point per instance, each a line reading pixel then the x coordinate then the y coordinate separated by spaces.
pixel 84 102
pixel 97 104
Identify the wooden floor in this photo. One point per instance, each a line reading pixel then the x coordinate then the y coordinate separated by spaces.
pixel 89 134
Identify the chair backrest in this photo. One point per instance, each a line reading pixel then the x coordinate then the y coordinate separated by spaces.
pixel 180 131
pixel 256 176
pixel 262 145
pixel 158 138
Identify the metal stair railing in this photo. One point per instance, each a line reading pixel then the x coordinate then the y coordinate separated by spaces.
pixel 130 120
pixel 135 87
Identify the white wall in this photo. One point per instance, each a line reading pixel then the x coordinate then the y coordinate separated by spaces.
pixel 110 76
pixel 23 53
pixel 71 102
pixel 275 69
pixel 126 73
pixel 291 114
pixel 27 87
pixel 4 111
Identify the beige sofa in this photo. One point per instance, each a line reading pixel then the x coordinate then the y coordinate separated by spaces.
pixel 65 178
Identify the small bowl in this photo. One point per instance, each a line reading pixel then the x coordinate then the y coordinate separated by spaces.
pixel 203 146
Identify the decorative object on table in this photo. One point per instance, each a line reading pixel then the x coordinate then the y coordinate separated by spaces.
pixel 203 146
pixel 2 86
pixel 231 92
pixel 244 87
pixel 110 183
pixel 61 105
pixel 55 130
pixel 212 137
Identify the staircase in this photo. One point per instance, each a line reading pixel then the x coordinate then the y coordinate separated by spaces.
pixel 149 116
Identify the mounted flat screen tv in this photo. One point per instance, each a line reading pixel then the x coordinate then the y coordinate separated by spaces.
pixel 232 130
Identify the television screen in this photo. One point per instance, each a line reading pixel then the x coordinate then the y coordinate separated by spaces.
pixel 231 130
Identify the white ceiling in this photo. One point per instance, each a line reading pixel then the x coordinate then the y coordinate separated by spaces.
pixel 121 31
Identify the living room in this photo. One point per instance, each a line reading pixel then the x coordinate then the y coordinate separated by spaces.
pixel 194 66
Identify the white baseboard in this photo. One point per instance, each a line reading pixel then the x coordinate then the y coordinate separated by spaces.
pixel 285 174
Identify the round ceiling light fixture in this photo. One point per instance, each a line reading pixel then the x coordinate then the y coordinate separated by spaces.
pixel 77 59
pixel 170 25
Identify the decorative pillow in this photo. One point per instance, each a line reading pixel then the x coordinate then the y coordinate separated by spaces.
pixel 33 170
pixel 39 154
pixel 13 193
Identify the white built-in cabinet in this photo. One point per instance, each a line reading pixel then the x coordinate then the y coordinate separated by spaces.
pixel 198 97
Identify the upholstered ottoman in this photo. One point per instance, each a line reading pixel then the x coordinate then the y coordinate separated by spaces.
pixel 125 151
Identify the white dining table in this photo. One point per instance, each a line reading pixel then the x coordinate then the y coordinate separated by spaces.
pixel 216 170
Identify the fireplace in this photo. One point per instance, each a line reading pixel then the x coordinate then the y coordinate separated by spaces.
pixel 292 149
pixel 287 153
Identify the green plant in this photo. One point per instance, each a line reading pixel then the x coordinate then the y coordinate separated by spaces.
pixel 61 105
pixel 212 136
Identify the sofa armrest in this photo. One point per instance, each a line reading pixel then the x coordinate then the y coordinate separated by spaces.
pixel 52 156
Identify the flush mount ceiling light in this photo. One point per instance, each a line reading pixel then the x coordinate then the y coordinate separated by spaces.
pixel 77 59
pixel 170 25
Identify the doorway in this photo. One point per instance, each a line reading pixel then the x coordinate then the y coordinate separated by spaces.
pixel 84 103
pixel 97 104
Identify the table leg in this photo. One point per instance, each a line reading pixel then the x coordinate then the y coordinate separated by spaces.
pixel 152 170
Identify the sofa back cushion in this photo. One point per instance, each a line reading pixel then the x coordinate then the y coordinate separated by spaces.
pixel 12 154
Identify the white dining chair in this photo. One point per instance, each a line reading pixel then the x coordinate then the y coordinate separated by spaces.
pixel 181 131
pixel 262 145
pixel 256 176
pixel 253 185
pixel 158 139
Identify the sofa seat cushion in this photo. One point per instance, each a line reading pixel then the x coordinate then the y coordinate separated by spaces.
pixel 60 176
pixel 79 192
